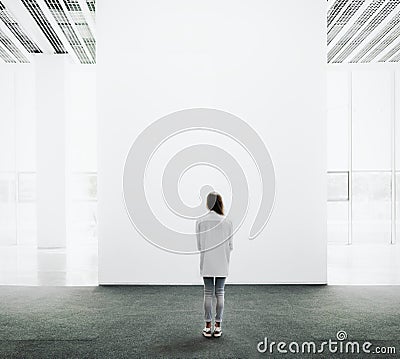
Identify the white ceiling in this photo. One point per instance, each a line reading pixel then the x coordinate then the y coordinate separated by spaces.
pixel 358 31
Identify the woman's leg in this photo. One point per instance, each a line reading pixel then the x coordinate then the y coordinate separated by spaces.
pixel 220 294
pixel 208 294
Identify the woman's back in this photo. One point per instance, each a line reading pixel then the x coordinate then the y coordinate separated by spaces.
pixel 214 240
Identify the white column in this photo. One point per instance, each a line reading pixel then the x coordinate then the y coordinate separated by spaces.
pixel 50 132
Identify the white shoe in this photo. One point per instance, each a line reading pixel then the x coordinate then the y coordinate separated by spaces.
pixel 207 332
pixel 217 332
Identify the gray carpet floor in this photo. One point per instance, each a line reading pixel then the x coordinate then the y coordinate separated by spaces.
pixel 166 321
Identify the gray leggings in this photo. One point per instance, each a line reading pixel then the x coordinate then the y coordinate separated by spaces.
pixel 209 290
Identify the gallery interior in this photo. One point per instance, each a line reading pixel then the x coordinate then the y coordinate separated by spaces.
pixel 319 81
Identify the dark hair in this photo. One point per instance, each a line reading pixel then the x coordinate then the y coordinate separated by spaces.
pixel 214 203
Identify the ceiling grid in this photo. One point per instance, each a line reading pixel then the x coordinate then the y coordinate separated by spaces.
pixel 12 48
pixel 62 19
pixel 7 58
pixel 363 31
pixel 358 31
pixel 12 24
pixel 37 13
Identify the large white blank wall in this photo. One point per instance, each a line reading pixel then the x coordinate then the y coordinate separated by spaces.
pixel 263 61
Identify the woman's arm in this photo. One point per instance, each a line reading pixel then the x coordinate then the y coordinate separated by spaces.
pixel 230 236
pixel 198 235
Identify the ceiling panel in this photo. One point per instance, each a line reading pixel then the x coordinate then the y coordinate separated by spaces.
pixel 37 13
pixel 363 31
pixel 358 31
pixel 13 25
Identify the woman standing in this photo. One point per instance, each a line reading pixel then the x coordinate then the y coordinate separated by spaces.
pixel 214 241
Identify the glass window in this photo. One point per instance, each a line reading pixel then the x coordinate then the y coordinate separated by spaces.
pixel 397 113
pixel 82 214
pixel 338 186
pixel 26 187
pixel 338 207
pixel 372 207
pixel 398 208
pixel 27 208
pixel 338 221
pixel 8 235
pixel 84 187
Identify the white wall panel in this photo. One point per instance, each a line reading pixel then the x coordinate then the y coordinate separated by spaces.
pixel 25 117
pixel 81 126
pixel 81 154
pixel 50 151
pixel 397 118
pixel 372 106
pixel 7 116
pixel 338 120
pixel 7 157
pixel 224 55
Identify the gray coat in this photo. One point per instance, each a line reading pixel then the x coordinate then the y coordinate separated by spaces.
pixel 212 230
